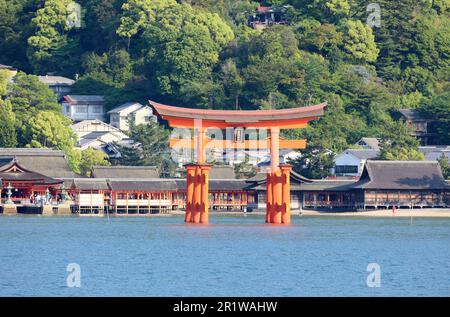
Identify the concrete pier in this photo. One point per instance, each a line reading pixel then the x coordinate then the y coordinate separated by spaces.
pixel 9 209
pixel 47 210
pixel 64 210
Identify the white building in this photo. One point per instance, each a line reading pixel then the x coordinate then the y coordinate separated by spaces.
pixel 84 107
pixel 101 136
pixel 351 162
pixel 60 85
pixel 119 116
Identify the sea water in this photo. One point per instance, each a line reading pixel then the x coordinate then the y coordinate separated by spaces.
pixel 232 256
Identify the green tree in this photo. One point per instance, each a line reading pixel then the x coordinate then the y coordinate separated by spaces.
pixel 90 158
pixel 111 69
pixel 359 41
pixel 50 129
pixel 438 109
pixel 314 163
pixel 137 14
pixel 397 143
pixel 151 148
pixel 178 45
pixel 51 48
pixel 7 125
pixel 245 169
pixel 445 165
pixel 28 96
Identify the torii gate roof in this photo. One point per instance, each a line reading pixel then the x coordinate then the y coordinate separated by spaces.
pixel 180 117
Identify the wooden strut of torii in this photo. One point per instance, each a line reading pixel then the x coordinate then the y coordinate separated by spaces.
pixel 278 175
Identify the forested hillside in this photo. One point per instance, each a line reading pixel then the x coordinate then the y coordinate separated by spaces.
pixel 201 53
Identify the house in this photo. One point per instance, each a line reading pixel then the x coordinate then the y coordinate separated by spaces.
pixel 433 153
pixel 383 184
pixel 119 116
pixel 351 162
pixel 101 136
pixel 369 143
pixel 422 127
pixel 402 184
pixel 9 69
pixel 60 85
pixel 267 16
pixel 84 107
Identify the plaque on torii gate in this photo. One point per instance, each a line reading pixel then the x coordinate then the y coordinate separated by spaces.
pixel 278 175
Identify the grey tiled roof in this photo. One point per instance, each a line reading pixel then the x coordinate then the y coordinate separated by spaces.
pixel 51 163
pixel 411 114
pixel 90 184
pixel 143 184
pixel 83 99
pixel 222 172
pixel 363 154
pixel 329 185
pixel 56 80
pixel 372 143
pixel 130 172
pixel 402 175
pixel 133 105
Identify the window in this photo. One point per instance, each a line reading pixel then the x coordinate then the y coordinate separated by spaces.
pixel 81 109
pixel 97 109
pixel 67 109
pixel 346 169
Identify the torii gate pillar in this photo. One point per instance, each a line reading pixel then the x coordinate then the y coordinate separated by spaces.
pixel 278 191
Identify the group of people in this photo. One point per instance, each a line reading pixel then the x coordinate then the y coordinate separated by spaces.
pixel 38 199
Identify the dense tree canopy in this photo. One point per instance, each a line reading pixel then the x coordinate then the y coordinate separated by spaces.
pixel 201 53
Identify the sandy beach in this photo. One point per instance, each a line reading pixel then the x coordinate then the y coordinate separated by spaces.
pixel 424 212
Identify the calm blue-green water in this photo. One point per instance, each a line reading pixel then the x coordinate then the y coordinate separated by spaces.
pixel 234 256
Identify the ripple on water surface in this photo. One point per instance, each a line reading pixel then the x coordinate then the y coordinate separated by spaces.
pixel 233 256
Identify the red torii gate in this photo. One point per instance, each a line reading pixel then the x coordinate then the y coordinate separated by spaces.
pixel 278 176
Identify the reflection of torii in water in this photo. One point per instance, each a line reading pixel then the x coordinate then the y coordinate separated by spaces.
pixel 278 176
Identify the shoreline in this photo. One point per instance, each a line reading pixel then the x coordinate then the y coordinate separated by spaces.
pixel 383 213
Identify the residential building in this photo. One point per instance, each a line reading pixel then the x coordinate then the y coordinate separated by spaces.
pixel 139 114
pixel 101 136
pixel 369 143
pixel 60 85
pixel 351 162
pixel 422 127
pixel 433 153
pixel 267 16
pixel 84 107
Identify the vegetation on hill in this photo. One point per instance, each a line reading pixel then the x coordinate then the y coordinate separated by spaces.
pixel 200 53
